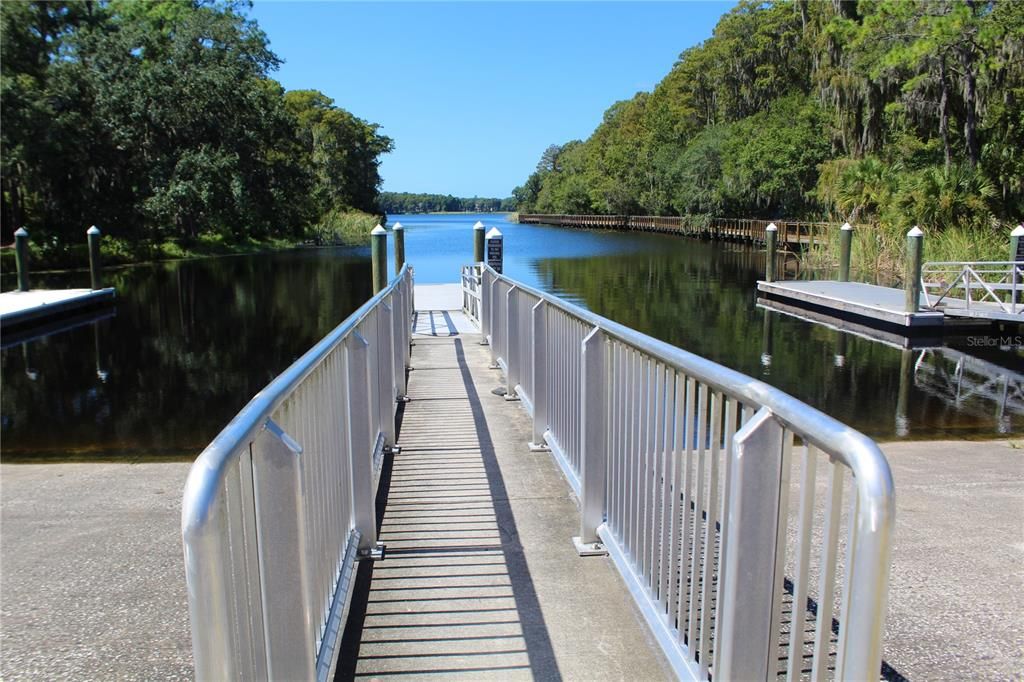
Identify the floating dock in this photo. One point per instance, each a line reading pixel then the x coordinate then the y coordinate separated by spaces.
pixel 18 308
pixel 871 303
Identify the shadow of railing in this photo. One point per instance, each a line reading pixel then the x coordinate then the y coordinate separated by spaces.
pixel 454 593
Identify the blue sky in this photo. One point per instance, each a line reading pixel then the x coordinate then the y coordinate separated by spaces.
pixel 472 93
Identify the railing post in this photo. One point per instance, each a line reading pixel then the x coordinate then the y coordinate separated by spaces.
pixel 360 449
pixel 1016 260
pixel 398 337
pixel 512 349
pixel 494 315
pixel 379 257
pixel 745 612
pixel 93 238
pixel 593 443
pixel 478 242
pixel 386 373
pixel 485 307
pixel 281 538
pixel 399 233
pixel 539 380
pixel 771 234
pixel 912 271
pixel 21 257
pixel 845 247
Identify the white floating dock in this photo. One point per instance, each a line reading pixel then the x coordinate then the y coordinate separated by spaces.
pixel 20 307
pixel 868 301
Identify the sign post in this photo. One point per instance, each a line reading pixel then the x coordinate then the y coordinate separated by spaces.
pixel 495 249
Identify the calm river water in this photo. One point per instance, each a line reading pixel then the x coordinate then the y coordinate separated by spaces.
pixel 190 342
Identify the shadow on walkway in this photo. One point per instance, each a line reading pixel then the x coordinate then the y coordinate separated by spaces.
pixel 454 592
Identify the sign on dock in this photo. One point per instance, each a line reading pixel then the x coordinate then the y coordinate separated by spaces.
pixel 495 249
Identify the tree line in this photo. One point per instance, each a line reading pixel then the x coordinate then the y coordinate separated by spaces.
pixel 878 111
pixel 406 202
pixel 158 120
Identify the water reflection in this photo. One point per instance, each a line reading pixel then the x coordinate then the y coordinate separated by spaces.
pixel 700 296
pixel 191 343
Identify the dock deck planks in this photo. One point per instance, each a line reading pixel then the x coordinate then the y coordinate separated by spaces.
pixel 867 301
pixel 480 577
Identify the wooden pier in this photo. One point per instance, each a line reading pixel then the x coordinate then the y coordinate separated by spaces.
pixel 21 308
pixel 791 233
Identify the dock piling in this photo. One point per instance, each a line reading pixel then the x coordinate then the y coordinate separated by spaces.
pixel 93 237
pixel 771 236
pixel 912 276
pixel 21 257
pixel 379 257
pixel 478 242
pixel 399 233
pixel 845 244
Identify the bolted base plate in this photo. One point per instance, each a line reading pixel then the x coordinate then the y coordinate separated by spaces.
pixel 511 397
pixel 403 399
pixel 372 554
pixel 538 447
pixel 589 549
pixel 393 449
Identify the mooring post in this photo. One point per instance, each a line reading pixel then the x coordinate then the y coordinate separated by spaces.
pixel 399 233
pixel 93 237
pixel 771 235
pixel 912 276
pixel 845 244
pixel 21 257
pixel 478 242
pixel 379 257
pixel 495 250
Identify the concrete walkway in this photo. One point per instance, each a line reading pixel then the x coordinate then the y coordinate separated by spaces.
pixel 92 579
pixel 480 577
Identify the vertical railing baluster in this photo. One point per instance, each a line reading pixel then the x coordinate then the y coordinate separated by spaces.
pixel 805 525
pixel 357 377
pixel 731 409
pixel 827 573
pixel 780 546
pixel 711 532
pixel 844 619
pixel 594 448
pixel 540 368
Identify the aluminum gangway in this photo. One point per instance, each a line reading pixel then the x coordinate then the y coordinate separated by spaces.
pixel 751 532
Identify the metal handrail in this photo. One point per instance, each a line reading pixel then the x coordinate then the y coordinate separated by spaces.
pixel 277 507
pixel 1002 276
pixel 471 303
pixel 619 410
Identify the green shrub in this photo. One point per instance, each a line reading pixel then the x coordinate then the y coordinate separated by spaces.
pixel 349 228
